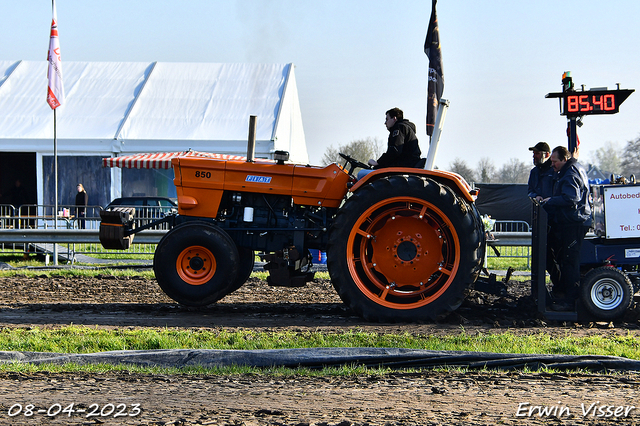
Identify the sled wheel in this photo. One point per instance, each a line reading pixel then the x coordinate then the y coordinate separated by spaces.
pixel 245 267
pixel 195 264
pixel 606 293
pixel 404 249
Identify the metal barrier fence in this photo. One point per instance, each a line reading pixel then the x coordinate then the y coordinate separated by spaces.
pixel 72 242
pixel 511 240
pixel 509 244
pixel 511 226
pixel 37 216
pixel 7 212
pixel 32 218
pixel 511 252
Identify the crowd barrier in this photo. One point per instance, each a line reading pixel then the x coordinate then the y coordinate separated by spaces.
pixel 35 232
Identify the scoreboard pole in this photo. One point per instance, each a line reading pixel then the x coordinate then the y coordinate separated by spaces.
pixel 572 122
pixel 572 130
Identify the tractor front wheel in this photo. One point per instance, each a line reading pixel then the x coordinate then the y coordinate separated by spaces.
pixel 404 248
pixel 196 264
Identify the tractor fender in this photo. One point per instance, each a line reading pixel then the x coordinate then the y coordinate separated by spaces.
pixel 451 179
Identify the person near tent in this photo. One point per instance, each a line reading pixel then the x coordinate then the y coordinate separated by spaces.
pixel 82 199
pixel 569 220
pixel 402 147
pixel 540 184
pixel 17 196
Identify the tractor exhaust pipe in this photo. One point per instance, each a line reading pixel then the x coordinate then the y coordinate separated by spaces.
pixel 251 147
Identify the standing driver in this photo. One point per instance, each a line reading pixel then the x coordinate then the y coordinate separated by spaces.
pixel 540 185
pixel 569 219
pixel 402 148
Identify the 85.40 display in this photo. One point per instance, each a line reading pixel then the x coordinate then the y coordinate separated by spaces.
pixel 601 103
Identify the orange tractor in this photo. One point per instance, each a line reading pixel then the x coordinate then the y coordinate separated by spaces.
pixel 402 244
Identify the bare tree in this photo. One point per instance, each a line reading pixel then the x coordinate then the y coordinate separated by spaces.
pixel 631 162
pixel 460 167
pixel 515 171
pixel 486 171
pixel 361 149
pixel 607 158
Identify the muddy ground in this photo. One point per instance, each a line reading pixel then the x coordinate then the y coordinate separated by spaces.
pixel 474 398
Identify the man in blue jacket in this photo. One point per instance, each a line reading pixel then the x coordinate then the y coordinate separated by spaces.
pixel 569 217
pixel 540 185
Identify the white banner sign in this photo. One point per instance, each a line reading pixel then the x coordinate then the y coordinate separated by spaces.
pixel 622 211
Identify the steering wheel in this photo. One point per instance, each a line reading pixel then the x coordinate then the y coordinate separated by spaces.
pixel 353 163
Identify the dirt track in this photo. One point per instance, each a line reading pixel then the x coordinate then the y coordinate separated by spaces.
pixel 427 398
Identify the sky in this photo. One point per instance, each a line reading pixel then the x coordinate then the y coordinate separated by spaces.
pixel 355 59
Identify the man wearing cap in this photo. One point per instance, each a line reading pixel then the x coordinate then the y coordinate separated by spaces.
pixel 541 176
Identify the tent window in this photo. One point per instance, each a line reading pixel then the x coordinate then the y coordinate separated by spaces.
pixel 73 170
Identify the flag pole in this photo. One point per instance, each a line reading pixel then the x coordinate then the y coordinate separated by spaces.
pixel 55 168
pixel 55 98
pixel 443 106
pixel 55 185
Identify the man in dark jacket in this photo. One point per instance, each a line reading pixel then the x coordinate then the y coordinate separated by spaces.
pixel 540 184
pixel 402 148
pixel 569 220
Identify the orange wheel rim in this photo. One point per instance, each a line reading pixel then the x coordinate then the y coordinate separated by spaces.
pixel 403 253
pixel 196 265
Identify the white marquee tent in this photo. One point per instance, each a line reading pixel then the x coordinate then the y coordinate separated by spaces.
pixel 124 108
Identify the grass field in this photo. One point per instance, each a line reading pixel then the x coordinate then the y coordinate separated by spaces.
pixel 82 339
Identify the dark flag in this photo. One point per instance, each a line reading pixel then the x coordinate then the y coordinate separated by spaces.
pixel 435 85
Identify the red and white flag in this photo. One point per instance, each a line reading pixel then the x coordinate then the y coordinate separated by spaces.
pixel 55 93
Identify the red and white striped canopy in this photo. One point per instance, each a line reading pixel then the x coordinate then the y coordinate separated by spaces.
pixel 160 160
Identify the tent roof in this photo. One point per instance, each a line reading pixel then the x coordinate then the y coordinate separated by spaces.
pixel 160 160
pixel 135 101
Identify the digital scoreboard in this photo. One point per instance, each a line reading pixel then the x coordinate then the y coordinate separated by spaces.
pixel 575 103
pixel 593 102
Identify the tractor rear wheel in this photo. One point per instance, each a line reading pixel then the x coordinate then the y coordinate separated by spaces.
pixel 606 293
pixel 404 248
pixel 196 264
